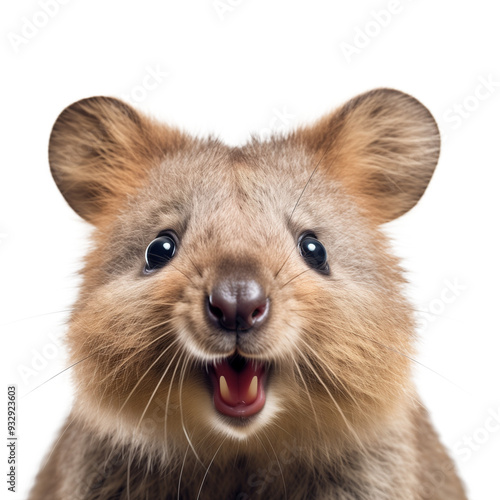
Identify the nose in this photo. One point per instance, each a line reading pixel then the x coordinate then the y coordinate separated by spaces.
pixel 238 305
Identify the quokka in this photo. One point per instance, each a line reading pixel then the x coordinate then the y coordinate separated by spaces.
pixel 241 331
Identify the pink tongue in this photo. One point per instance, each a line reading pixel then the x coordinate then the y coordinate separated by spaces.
pixel 238 382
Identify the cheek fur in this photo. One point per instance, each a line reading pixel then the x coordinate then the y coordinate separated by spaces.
pixel 127 339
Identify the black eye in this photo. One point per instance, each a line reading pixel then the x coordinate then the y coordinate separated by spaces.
pixel 160 251
pixel 314 253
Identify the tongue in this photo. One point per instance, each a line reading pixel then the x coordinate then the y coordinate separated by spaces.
pixel 239 393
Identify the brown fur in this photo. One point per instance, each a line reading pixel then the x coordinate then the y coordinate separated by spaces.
pixel 342 420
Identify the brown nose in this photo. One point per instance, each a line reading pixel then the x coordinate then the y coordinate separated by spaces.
pixel 238 305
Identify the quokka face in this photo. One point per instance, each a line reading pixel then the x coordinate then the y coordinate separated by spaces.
pixel 244 292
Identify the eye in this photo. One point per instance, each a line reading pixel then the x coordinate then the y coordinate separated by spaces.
pixel 160 251
pixel 314 253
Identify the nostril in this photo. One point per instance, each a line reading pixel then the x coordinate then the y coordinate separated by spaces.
pixel 222 308
pixel 237 305
pixel 216 311
pixel 258 313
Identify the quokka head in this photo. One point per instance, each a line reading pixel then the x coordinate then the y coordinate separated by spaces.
pixel 245 292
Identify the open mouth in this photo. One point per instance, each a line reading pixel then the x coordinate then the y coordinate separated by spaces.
pixel 238 386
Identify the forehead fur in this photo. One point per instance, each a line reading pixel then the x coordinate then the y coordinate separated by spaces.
pixel 261 196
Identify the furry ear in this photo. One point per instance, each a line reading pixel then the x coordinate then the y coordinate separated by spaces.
pixel 101 149
pixel 382 146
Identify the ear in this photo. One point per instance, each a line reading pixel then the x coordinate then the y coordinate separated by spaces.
pixel 100 151
pixel 383 146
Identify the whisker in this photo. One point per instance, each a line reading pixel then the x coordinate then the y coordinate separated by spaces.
pixel 60 373
pixel 168 396
pixel 236 455
pixel 183 463
pixel 183 372
pixel 285 261
pixel 180 474
pixel 208 468
pixel 307 184
pixel 145 373
pixel 308 394
pixel 327 150
pixel 263 447
pixel 392 349
pixel 129 464
pixel 320 380
pixel 295 277
pixel 183 273
pixel 36 316
pixel 279 464
pixel 156 388
pixel 136 352
pixel 335 379
pixel 195 266
pixel 283 429
pixel 410 358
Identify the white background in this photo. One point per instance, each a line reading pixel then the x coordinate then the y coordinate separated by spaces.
pixel 248 66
